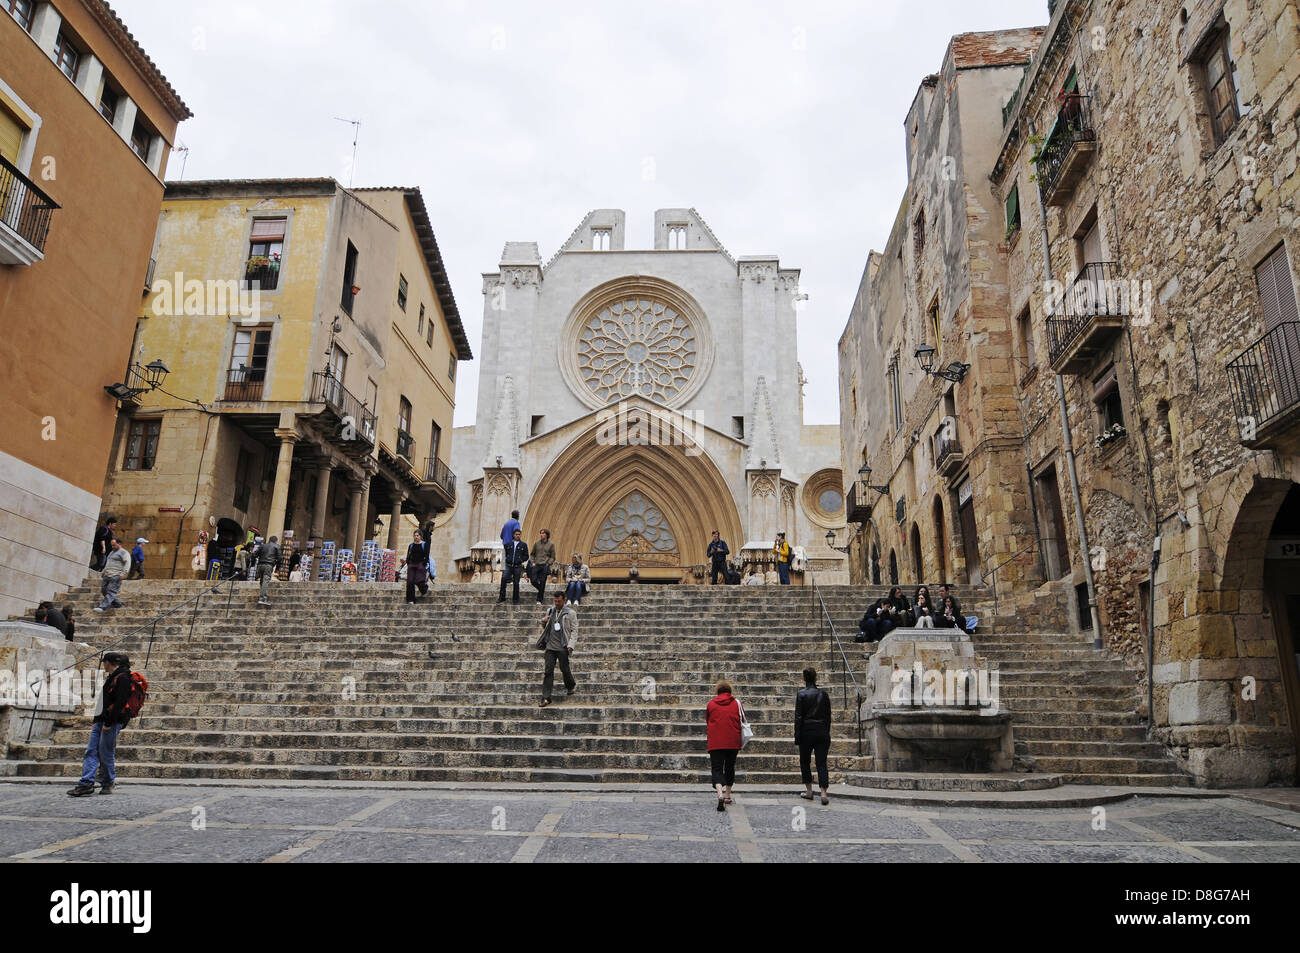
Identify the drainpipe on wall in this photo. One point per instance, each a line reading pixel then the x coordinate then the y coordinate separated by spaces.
pixel 1084 549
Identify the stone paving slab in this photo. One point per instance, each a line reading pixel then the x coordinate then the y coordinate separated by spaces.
pixel 302 823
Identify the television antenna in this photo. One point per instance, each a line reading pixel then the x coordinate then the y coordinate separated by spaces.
pixel 356 134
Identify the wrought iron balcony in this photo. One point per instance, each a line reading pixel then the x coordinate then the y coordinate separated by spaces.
pixel 1266 389
pixel 439 474
pixel 25 213
pixel 244 383
pixel 263 273
pixel 356 421
pixel 405 445
pixel 1088 315
pixel 857 504
pixel 1068 150
pixel 948 455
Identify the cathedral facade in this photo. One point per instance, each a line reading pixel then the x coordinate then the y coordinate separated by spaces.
pixel 631 401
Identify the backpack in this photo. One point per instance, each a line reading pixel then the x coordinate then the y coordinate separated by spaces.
pixel 136 696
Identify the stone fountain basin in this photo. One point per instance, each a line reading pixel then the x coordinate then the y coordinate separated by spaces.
pixel 942 724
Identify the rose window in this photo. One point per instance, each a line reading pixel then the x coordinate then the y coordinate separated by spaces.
pixel 637 347
pixel 635 526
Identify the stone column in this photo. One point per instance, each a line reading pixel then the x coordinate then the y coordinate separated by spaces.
pixel 322 500
pixel 283 469
pixel 363 522
pixel 354 515
pixel 395 523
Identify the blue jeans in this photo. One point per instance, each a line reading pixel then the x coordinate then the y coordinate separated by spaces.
pixel 575 591
pixel 109 587
pixel 783 570
pixel 101 754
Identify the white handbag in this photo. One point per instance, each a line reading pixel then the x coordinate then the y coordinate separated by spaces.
pixel 746 730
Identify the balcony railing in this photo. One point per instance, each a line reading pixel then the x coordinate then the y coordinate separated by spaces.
pixel 1266 385
pixel 25 210
pixel 244 383
pixel 857 504
pixel 1067 150
pixel 437 472
pixel 356 420
pixel 1088 314
pixel 262 273
pixel 948 455
pixel 405 445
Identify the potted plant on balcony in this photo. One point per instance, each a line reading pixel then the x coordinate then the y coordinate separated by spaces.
pixel 1108 436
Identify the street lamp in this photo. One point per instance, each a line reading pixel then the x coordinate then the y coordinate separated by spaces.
pixel 150 376
pixel 955 371
pixel 830 542
pixel 864 472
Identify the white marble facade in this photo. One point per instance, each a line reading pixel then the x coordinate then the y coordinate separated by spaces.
pixel 633 400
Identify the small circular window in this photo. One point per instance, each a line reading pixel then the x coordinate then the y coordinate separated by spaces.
pixel 823 498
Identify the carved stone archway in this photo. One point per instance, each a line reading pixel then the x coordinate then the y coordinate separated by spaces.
pixel 589 481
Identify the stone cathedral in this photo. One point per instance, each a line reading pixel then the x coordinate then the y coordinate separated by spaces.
pixel 631 401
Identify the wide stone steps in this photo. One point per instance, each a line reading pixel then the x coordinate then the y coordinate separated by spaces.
pixel 257 692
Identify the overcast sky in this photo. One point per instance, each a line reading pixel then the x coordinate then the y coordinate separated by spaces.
pixel 782 123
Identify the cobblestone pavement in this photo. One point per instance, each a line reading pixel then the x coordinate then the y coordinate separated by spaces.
pixel 303 825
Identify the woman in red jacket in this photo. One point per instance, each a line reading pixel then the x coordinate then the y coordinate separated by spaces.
pixel 723 715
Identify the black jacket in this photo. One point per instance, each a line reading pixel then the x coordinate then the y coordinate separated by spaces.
pixel 718 551
pixel 812 715
pixel 417 555
pixel 516 553
pixel 117 688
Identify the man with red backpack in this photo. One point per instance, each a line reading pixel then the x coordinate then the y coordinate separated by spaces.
pixel 118 701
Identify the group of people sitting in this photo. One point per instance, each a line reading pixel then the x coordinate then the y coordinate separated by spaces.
pixel 924 612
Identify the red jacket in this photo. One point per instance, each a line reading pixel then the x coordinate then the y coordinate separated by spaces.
pixel 724 723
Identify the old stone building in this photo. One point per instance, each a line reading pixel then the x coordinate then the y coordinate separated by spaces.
pixel 312 338
pixel 633 400
pixel 87 121
pixel 1143 296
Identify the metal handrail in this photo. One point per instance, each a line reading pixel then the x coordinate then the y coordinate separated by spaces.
pixel 1073 124
pixel 846 675
pixel 993 578
pixel 152 625
pixel 435 471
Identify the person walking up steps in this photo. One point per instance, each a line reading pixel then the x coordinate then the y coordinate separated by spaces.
pixel 558 640
pixel 268 557
pixel 812 733
pixel 722 720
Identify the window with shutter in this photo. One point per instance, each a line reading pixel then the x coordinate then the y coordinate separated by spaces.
pixel 12 131
pixel 1276 291
pixel 1013 209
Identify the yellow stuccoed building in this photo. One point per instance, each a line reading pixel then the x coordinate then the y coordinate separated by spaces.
pixel 311 339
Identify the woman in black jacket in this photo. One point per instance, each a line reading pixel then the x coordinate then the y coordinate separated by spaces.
pixel 812 733
pixel 900 608
pixel 417 568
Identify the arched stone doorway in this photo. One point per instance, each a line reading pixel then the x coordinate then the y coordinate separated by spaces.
pixel 918 560
pixel 1260 589
pixel 649 508
pixel 940 543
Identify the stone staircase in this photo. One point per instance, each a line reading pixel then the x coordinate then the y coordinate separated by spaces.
pixel 350 683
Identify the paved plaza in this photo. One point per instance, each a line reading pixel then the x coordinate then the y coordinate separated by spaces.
pixel 184 823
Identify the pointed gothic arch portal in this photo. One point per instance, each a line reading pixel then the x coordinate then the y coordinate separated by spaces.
pixel 652 508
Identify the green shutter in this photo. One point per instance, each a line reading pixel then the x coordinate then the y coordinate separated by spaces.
pixel 1013 207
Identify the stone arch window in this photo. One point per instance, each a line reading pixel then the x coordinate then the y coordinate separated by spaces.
pixel 823 498
pixel 600 238
pixel 635 533
pixel 676 237
pixel 893 568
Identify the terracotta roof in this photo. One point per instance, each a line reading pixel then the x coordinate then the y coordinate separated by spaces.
pixel 113 25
